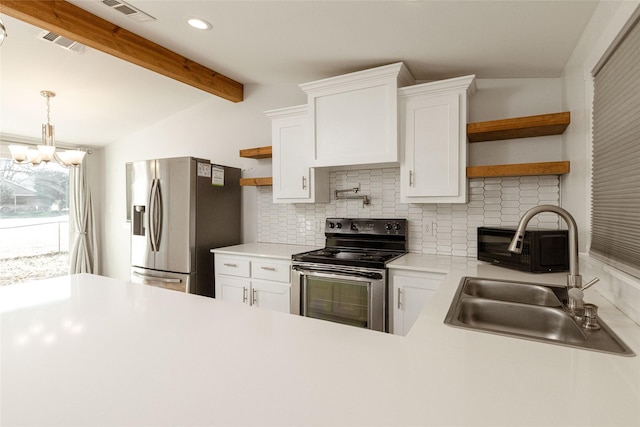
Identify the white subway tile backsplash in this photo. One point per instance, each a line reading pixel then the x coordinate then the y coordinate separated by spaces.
pixel 447 229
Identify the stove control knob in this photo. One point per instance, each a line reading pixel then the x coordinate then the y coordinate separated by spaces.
pixel 332 225
pixel 388 226
pixel 339 225
pixel 397 226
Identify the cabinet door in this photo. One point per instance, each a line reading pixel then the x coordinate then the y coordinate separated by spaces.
pixel 410 295
pixel 432 147
pixel 356 127
pixel 292 153
pixel 433 135
pixel 232 289
pixel 271 296
pixel 354 117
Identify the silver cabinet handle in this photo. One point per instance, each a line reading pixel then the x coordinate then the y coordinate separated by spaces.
pixel 254 297
pixel 244 294
pixel 399 296
pixel 228 264
pixel 304 183
pixel 268 268
pixel 410 178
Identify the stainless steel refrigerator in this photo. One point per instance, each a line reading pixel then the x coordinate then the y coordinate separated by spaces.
pixel 181 209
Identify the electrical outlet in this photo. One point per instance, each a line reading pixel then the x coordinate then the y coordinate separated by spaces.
pixel 428 228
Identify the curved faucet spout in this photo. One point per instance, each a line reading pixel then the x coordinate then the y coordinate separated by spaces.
pixel 574 280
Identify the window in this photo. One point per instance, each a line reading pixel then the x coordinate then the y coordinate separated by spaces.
pixel 615 206
pixel 34 221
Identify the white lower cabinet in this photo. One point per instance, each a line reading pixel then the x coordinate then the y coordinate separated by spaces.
pixel 410 292
pixel 258 282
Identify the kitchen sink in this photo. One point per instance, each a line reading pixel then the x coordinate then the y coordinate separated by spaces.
pixel 515 292
pixel 526 310
pixel 520 319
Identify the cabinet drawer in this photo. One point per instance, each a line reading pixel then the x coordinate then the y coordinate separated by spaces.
pixel 232 266
pixel 271 270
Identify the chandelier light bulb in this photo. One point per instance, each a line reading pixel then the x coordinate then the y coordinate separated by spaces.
pixel 19 152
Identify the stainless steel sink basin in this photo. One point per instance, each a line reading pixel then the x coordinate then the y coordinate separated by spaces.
pixel 512 292
pixel 520 319
pixel 527 310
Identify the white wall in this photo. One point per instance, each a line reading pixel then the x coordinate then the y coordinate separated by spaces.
pixel 214 130
pixel 505 98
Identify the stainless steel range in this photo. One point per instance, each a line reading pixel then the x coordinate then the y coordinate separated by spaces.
pixel 346 281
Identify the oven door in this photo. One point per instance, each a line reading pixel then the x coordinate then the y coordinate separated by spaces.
pixel 348 295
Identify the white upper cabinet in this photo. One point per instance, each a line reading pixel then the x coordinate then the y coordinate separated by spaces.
pixel 292 152
pixel 353 118
pixel 433 133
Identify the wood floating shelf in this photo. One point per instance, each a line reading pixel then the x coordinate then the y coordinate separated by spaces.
pixel 256 182
pixel 257 153
pixel 523 169
pixel 519 127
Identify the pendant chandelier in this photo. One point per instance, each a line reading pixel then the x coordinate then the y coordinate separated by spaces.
pixel 47 151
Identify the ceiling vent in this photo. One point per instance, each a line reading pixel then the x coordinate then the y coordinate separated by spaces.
pixel 63 42
pixel 128 10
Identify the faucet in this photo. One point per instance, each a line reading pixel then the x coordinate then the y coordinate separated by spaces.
pixel 574 280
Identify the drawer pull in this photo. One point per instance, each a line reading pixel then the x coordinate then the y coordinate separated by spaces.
pixel 244 294
pixel 399 296
pixel 268 268
pixel 254 297
pixel 228 264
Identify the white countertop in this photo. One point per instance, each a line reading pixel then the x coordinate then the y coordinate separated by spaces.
pixel 267 250
pixel 88 350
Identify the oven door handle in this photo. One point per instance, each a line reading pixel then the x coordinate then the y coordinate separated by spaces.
pixel 326 272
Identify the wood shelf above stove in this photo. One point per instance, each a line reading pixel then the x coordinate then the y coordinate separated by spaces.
pixel 522 169
pixel 519 127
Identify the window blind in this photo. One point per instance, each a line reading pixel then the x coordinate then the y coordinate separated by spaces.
pixel 615 187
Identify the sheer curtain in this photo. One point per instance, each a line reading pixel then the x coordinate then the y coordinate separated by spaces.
pixel 83 256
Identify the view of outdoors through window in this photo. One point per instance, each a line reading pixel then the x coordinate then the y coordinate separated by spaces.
pixel 34 221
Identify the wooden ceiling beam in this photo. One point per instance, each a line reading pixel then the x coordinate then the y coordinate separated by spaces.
pixel 70 21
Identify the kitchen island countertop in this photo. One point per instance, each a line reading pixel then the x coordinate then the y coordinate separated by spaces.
pixel 89 350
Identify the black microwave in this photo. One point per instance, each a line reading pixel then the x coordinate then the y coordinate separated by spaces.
pixel 543 251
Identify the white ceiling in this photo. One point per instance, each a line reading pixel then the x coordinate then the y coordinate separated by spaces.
pixel 101 99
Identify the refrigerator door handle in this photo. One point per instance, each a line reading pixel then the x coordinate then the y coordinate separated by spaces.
pixel 158 214
pixel 156 279
pixel 152 224
pixel 155 215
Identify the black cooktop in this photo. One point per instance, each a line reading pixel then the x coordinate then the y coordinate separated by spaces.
pixel 359 242
pixel 369 259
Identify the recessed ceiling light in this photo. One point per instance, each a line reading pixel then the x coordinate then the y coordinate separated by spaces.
pixel 198 23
